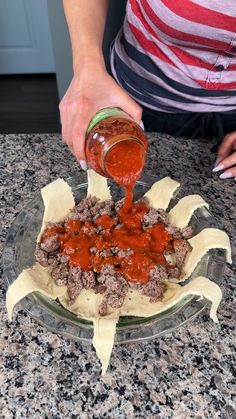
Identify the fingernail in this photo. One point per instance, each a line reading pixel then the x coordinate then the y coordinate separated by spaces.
pixel 217 161
pixel 83 164
pixel 226 175
pixel 141 124
pixel 218 168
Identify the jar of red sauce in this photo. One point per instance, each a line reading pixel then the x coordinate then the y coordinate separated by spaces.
pixel 116 146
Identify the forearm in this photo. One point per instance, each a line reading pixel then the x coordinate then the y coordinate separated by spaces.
pixel 86 21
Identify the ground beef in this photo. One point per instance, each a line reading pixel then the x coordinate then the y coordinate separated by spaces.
pixel 46 259
pixel 116 289
pixel 105 253
pixel 181 248
pixel 173 272
pixel 76 273
pixel 187 232
pixel 41 256
pixel 99 288
pixel 50 224
pixel 88 279
pixel 82 210
pixel 163 216
pixel 158 273
pixel 114 250
pixel 89 230
pixel 74 287
pixel 99 229
pixel 51 244
pixel 93 250
pixel 119 205
pixel 77 280
pixel 153 289
pixel 86 204
pixel 154 216
pixel 53 260
pixel 117 284
pixel 121 253
pixel 115 300
pixel 103 207
pixel 119 225
pixel 61 273
pixel 91 208
pixel 180 233
pixel 106 272
pixel 62 258
pixel 174 231
pixel 102 310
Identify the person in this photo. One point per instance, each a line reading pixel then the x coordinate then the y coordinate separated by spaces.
pixel 173 65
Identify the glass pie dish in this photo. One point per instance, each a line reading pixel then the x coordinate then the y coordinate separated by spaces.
pixel 18 254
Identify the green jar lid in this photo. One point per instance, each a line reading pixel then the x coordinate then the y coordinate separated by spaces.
pixel 103 114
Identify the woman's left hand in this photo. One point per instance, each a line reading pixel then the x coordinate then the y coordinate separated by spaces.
pixel 226 157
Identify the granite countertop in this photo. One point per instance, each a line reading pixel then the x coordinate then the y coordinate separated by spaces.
pixel 186 374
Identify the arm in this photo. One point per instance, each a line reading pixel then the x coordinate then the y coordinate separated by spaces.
pixel 86 22
pixel 92 88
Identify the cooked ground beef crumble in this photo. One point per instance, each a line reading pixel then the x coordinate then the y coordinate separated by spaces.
pixel 107 281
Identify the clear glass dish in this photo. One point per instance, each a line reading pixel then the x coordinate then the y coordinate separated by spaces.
pixel 18 254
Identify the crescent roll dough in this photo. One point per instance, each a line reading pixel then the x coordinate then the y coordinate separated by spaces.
pixel 180 215
pixel 161 192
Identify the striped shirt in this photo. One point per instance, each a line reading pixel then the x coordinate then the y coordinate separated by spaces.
pixel 178 55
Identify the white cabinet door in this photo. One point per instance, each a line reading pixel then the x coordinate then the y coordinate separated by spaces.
pixel 25 39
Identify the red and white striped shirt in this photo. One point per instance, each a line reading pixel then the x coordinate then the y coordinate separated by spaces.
pixel 178 55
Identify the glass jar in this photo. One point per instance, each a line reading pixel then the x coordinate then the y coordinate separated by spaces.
pixel 116 146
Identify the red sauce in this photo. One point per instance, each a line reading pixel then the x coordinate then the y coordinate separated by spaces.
pixel 124 163
pixel 132 219
pixel 52 231
pixel 74 226
pixel 148 245
pixel 137 267
pixel 77 248
pixel 105 221
pixel 160 238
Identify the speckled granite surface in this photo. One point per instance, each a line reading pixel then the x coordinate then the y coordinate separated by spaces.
pixel 187 374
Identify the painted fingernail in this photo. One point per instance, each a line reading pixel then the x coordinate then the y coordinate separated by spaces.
pixel 83 164
pixel 218 168
pixel 141 124
pixel 217 161
pixel 226 175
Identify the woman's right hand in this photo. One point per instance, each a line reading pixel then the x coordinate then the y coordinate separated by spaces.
pixel 90 90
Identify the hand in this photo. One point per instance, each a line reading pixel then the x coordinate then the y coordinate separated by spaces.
pixel 226 157
pixel 91 90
